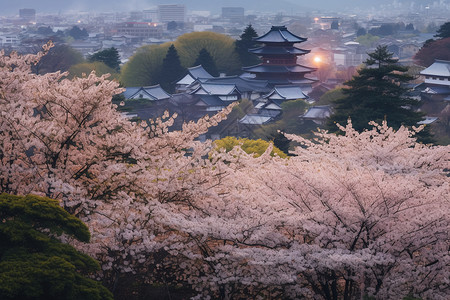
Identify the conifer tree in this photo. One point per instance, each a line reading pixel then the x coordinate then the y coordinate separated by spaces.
pixel 376 94
pixel 245 43
pixel 36 265
pixel 171 70
pixel 205 59
pixel 109 57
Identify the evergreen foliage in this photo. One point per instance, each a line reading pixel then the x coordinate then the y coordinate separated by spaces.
pixel 245 43
pixel 205 59
pixel 77 33
pixel 109 57
pixel 36 265
pixel 376 94
pixel 58 58
pixel 171 70
pixel 443 31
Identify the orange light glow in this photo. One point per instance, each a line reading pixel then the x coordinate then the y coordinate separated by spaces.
pixel 316 19
pixel 317 59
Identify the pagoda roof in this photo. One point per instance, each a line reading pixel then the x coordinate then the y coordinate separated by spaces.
pixel 268 50
pixel 278 69
pixel 438 68
pixel 242 84
pixel 279 34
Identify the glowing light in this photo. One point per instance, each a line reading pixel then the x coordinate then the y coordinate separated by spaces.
pixel 317 59
pixel 316 19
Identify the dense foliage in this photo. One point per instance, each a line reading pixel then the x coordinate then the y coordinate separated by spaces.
pixel 171 70
pixel 207 62
pixel 376 94
pixel 145 67
pixel 36 265
pixel 353 215
pixel 244 43
pixel 109 57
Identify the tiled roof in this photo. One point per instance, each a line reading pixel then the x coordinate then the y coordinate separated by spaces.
pixel 267 50
pixel 438 68
pixel 278 69
pixel 199 72
pixel 318 112
pixel 255 120
pixel 154 92
pixel 279 34
pixel 211 100
pixel 217 88
pixel 287 92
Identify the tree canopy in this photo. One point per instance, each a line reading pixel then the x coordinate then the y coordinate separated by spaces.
pixel 434 49
pixel 86 68
pixel 36 265
pixel 443 31
pixel 171 70
pixel 254 147
pixel 109 57
pixel 357 215
pixel 77 33
pixel 244 43
pixel 376 94
pixel 59 58
pixel 145 67
pixel 205 59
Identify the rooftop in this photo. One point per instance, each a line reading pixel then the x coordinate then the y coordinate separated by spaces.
pixel 279 34
pixel 438 68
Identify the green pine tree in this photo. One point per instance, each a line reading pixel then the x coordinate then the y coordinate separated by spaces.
pixel 205 59
pixel 171 70
pixel 34 264
pixel 246 42
pixel 376 94
pixel 443 31
pixel 109 57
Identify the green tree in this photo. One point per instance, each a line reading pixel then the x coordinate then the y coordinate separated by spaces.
pixel 108 56
pixel 86 68
pixel 376 94
pixel 220 46
pixel 77 33
pixel 256 147
pixel 34 264
pixel 443 31
pixel 58 58
pixel 171 70
pixel 205 59
pixel 245 43
pixel 144 67
pixel 367 40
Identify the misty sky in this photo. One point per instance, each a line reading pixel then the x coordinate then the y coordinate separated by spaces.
pixel 54 6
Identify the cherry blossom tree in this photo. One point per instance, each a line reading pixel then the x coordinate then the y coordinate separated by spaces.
pixel 362 214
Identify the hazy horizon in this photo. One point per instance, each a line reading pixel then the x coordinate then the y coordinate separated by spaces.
pixel 53 6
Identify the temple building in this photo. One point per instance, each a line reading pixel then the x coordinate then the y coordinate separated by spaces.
pixel 279 58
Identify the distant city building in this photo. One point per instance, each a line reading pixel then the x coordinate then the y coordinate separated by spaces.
pixel 27 14
pixel 172 12
pixel 150 15
pixel 233 13
pixel 140 29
